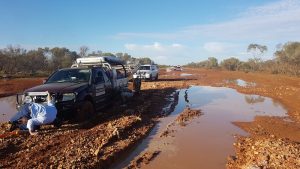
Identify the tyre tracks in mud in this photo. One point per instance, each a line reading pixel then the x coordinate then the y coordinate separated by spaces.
pixel 97 144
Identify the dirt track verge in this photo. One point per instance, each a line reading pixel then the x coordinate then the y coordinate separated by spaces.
pixel 265 153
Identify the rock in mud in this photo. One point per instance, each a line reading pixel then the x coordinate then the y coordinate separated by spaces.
pixel 187 115
pixel 143 159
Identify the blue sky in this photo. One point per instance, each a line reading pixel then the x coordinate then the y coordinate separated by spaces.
pixel 170 31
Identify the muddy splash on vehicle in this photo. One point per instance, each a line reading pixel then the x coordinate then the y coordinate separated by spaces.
pixel 207 140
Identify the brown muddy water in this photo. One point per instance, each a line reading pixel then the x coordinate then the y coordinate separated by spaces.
pixel 207 140
pixel 7 108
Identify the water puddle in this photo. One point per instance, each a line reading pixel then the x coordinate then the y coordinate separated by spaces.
pixel 207 140
pixel 168 69
pixel 185 74
pixel 7 108
pixel 241 82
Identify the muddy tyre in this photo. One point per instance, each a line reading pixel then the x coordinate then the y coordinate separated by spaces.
pixel 87 110
pixel 150 78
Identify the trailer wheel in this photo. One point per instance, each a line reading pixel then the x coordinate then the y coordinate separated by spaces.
pixel 87 110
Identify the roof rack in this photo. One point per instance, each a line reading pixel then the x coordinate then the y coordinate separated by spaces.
pixel 97 61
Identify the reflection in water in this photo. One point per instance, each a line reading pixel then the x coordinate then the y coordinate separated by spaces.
pixel 207 141
pixel 186 98
pixel 276 103
pixel 185 74
pixel 252 99
pixel 7 108
pixel 240 82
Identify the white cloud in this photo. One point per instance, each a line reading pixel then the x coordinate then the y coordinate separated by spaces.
pixel 156 46
pixel 214 47
pixel 176 45
pixel 278 21
pixel 160 53
pixel 273 8
pixel 130 46
pixel 269 24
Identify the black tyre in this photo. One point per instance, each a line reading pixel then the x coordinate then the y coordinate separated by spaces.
pixel 87 110
pixel 150 78
pixel 156 77
pixel 57 122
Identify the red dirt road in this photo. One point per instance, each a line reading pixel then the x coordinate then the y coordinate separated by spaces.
pixel 110 135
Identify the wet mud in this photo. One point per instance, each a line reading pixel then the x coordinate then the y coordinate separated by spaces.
pixel 199 133
pixel 130 136
pixel 143 159
pixel 95 144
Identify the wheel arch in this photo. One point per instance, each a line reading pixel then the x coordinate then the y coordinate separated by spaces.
pixel 89 98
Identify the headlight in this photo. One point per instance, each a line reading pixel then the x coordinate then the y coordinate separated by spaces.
pixel 68 96
pixel 147 75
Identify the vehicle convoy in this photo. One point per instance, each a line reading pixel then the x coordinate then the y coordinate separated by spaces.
pixel 177 68
pixel 149 72
pixel 84 88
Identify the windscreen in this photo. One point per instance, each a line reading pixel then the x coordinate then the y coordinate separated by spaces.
pixel 144 68
pixel 70 75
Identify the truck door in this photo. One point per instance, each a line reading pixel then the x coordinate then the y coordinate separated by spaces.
pixel 109 92
pixel 122 80
pixel 99 88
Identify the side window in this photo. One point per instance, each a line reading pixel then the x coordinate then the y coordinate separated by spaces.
pixel 105 77
pixel 120 73
pixel 99 77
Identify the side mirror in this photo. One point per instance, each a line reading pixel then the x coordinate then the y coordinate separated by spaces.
pixel 44 81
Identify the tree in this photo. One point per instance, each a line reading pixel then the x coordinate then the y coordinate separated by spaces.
pixel 3 61
pixel 230 64
pixel 14 53
pixel 144 61
pixel 32 58
pixel 257 49
pixel 290 53
pixel 212 62
pixel 108 54
pixel 288 58
pixel 119 55
pixel 124 56
pixel 62 57
pixel 83 51
pixel 244 66
pixel 257 52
